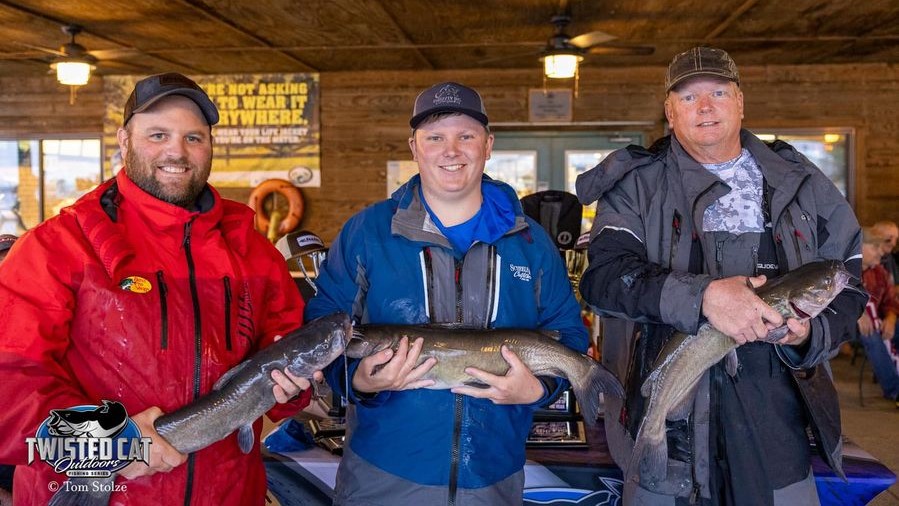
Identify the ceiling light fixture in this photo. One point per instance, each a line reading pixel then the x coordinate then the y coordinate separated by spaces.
pixel 72 73
pixel 561 59
pixel 561 65
pixel 74 65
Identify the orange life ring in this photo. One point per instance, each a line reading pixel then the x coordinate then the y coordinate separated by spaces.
pixel 288 191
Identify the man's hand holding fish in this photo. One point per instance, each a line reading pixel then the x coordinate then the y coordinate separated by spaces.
pixel 517 386
pixel 389 370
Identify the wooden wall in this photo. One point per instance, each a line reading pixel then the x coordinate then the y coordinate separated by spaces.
pixel 365 120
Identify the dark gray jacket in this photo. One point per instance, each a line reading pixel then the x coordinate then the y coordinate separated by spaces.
pixel 650 263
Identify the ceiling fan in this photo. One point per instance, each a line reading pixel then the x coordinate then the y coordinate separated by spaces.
pixel 563 53
pixel 72 62
pixel 73 52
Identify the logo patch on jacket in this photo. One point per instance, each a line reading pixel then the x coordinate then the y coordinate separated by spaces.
pixel 135 284
pixel 522 272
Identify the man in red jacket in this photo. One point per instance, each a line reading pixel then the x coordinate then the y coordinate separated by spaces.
pixel 142 294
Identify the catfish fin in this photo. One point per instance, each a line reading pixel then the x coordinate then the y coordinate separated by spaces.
pixel 228 375
pixel 651 380
pixel 476 384
pixel 776 334
pixel 246 438
pixel 654 465
pixel 731 363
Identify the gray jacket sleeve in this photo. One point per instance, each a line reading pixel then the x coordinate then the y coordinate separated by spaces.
pixel 621 281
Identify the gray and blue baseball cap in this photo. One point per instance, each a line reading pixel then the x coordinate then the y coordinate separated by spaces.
pixel 448 97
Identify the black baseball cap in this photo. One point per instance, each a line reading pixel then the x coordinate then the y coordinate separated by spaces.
pixel 701 61
pixel 149 90
pixel 448 97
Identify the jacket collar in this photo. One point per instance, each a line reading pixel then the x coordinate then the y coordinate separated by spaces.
pixel 412 221
pixel 783 173
pixel 112 216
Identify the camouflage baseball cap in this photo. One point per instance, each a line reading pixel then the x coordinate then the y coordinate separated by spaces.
pixel 701 61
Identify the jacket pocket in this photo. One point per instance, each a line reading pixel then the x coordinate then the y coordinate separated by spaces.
pixel 163 311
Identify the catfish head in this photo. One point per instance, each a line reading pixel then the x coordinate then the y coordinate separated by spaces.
pixel 803 293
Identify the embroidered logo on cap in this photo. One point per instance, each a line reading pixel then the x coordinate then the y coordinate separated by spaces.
pixel 135 284
pixel 448 95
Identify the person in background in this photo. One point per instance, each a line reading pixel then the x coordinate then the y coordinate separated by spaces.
pixel 450 246
pixel 684 233
pixel 145 291
pixel 877 325
pixel 6 472
pixel 889 231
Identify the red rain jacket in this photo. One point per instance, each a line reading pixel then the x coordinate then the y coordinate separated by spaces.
pixel 80 326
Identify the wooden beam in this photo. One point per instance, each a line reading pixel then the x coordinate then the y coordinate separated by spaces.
pixel 406 39
pixel 61 23
pixel 747 4
pixel 209 12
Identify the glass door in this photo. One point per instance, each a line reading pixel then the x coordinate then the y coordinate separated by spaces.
pixel 537 161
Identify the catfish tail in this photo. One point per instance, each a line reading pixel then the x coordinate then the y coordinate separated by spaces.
pixel 588 388
pixel 649 458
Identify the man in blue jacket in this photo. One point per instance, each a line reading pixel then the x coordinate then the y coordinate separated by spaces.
pixel 451 245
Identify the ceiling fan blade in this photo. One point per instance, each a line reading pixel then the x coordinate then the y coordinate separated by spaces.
pixel 622 50
pixel 39 48
pixel 119 65
pixel 590 39
pixel 517 56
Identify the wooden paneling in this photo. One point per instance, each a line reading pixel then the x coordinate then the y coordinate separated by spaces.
pixel 365 120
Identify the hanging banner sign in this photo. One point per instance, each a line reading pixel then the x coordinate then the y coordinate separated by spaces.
pixel 268 126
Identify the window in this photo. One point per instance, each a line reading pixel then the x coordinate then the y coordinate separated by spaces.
pixel 831 149
pixel 38 177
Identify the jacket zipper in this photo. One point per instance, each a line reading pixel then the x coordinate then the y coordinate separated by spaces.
pixel 755 261
pixel 491 285
pixel 164 310
pixel 694 493
pixel 457 410
pixel 430 280
pixel 458 279
pixel 198 348
pixel 675 238
pixel 719 258
pixel 227 281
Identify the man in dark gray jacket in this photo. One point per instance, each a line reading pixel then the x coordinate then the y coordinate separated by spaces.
pixel 681 231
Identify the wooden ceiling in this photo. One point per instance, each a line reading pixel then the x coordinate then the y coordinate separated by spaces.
pixel 256 36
